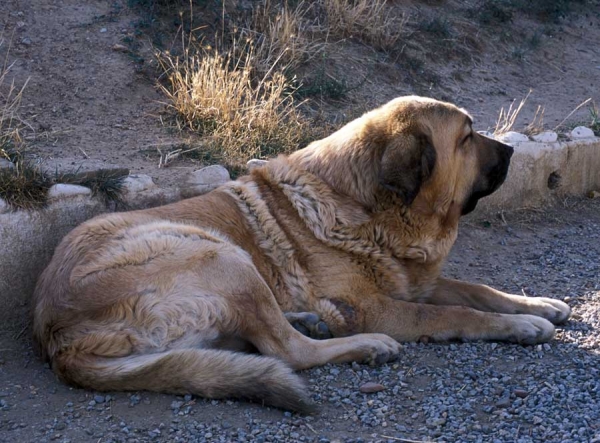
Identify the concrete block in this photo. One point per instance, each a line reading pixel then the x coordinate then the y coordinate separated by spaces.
pixel 540 173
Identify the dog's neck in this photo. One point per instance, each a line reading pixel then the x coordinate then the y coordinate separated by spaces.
pixel 335 160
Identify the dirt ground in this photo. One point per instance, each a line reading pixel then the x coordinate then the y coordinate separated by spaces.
pixel 554 253
pixel 88 105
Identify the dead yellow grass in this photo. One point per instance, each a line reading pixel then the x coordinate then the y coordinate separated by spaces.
pixel 371 21
pixel 10 100
pixel 240 116
pixel 282 36
pixel 507 118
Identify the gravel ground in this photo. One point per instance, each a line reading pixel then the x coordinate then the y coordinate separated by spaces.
pixel 475 392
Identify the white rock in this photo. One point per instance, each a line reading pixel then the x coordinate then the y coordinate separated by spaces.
pixel 581 132
pixel 255 163
pixel 4 207
pixel 138 183
pixel 513 137
pixel 205 180
pixel 486 134
pixel 5 164
pixel 546 137
pixel 61 190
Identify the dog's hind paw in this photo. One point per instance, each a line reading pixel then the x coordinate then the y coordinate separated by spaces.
pixel 309 324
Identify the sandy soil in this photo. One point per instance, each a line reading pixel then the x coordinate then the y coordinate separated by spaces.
pixel 89 105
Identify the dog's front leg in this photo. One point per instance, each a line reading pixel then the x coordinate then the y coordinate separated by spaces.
pixel 409 321
pixel 484 298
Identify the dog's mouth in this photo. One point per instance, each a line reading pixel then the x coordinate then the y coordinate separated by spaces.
pixel 490 181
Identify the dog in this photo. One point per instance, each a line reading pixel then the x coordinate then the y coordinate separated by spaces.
pixel 343 239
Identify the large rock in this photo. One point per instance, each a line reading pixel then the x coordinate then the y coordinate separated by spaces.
pixel 61 191
pixel 581 132
pixel 545 137
pixel 513 137
pixel 255 163
pixel 137 183
pixel 204 180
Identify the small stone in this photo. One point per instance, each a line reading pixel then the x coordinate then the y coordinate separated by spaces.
pixel 6 164
pixel 120 48
pixel 436 422
pixel 371 387
pixel 504 402
pixel 99 399
pixel 545 137
pixel 103 30
pixel 138 183
pixel 513 137
pixel 26 41
pixel 61 191
pixel 4 207
pixel 581 132
pixel 255 163
pixel 521 393
pixel 176 404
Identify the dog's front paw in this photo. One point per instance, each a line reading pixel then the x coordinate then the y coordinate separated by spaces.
pixel 529 329
pixel 379 348
pixel 552 310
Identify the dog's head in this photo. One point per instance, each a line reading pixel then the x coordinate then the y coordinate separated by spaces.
pixel 430 148
pixel 422 150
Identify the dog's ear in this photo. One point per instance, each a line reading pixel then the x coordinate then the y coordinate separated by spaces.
pixel 407 162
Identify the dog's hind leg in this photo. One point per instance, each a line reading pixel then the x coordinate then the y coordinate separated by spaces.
pixel 268 329
pixel 309 324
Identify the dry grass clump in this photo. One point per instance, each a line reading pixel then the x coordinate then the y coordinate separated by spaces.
pixel 240 96
pixel 242 117
pixel 507 118
pixel 23 185
pixel 282 36
pixel 368 20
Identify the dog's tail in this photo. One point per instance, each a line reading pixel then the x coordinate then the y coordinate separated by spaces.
pixel 204 372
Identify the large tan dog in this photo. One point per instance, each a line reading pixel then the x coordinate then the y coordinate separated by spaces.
pixel 352 229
